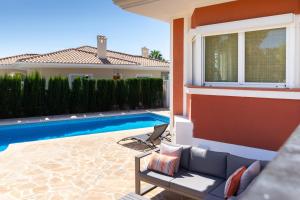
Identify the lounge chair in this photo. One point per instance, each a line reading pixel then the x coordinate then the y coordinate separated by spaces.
pixel 150 138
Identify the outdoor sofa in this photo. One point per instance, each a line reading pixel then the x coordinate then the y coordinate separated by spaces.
pixel 202 174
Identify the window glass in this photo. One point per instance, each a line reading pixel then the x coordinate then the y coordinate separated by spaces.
pixel 265 56
pixel 221 58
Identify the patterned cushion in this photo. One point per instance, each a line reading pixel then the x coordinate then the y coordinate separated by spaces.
pixel 252 171
pixel 171 150
pixel 163 163
pixel 232 183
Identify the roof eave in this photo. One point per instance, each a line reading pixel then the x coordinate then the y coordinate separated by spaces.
pixel 165 10
pixel 89 66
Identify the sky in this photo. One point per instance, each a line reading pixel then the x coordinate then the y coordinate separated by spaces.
pixel 41 26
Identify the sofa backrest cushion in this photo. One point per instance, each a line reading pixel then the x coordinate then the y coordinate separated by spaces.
pixel 235 162
pixel 185 156
pixel 208 162
pixel 263 164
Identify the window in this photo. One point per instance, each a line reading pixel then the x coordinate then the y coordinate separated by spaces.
pixel 265 54
pixel 246 58
pixel 74 76
pixel 221 58
pixel 165 75
pixel 143 76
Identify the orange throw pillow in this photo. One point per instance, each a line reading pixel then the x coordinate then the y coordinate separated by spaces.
pixel 233 182
pixel 163 163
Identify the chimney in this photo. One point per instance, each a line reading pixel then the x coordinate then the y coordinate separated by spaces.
pixel 145 52
pixel 101 46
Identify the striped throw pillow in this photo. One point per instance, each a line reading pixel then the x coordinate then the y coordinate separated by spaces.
pixel 233 182
pixel 163 163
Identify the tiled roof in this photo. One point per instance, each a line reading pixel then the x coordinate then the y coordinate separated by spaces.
pixel 13 59
pixel 132 58
pixel 84 55
pixel 73 56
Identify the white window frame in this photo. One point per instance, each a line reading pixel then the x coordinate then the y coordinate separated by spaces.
pixel 143 76
pixel 241 27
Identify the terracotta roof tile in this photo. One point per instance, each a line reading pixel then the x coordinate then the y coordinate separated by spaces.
pixel 13 59
pixel 132 58
pixel 84 55
pixel 73 56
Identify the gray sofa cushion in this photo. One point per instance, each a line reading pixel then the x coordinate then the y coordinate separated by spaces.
pixel 185 156
pixel 156 178
pixel 208 162
pixel 263 164
pixel 235 162
pixel 194 184
pixel 251 172
pixel 212 197
pixel 219 191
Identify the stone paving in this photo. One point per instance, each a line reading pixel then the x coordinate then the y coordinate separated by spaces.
pixel 82 167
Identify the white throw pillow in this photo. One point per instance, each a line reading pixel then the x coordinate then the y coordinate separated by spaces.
pixel 171 150
pixel 252 171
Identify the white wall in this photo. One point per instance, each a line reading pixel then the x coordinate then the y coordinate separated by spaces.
pixel 184 135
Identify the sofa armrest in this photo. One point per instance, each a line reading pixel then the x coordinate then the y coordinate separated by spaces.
pixel 138 170
pixel 140 156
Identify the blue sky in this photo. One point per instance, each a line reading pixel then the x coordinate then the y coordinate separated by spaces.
pixel 41 26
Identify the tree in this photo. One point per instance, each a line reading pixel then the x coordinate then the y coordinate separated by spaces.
pixel 155 54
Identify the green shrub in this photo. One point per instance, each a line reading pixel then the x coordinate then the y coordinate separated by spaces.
pixel 105 94
pixel 58 96
pixel 10 96
pixel 146 94
pixel 32 99
pixel 133 85
pixel 34 95
pixel 75 97
pixel 121 92
pixel 92 96
pixel 156 86
pixel 84 95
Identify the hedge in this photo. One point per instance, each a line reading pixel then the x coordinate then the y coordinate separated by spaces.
pixel 75 96
pixel 58 95
pixel 92 96
pixel 10 97
pixel 105 94
pixel 134 91
pixel 29 96
pixel 33 100
pixel 121 93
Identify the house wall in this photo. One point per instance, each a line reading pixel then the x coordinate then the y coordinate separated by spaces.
pixel 254 122
pixel 178 42
pixel 97 73
pixel 11 71
pixel 235 122
pixel 242 9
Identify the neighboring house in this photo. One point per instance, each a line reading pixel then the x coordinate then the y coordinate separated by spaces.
pixel 235 71
pixel 87 61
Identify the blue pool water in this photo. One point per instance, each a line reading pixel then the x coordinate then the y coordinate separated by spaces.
pixel 67 128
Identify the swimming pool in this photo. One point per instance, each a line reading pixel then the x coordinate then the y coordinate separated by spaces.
pixel 17 133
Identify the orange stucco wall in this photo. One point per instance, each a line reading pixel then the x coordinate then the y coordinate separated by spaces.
pixel 242 9
pixel 178 34
pixel 253 122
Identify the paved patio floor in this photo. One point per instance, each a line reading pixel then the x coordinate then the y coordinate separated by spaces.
pixel 83 167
